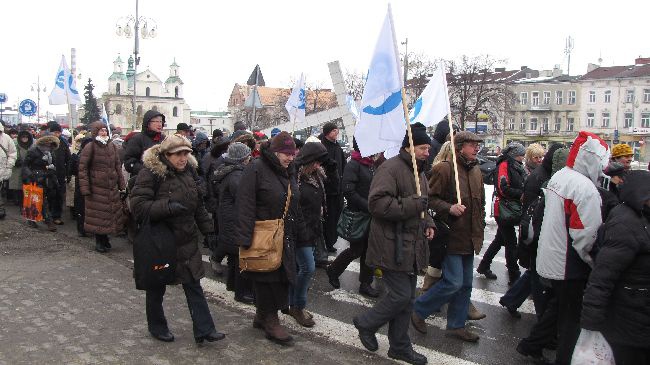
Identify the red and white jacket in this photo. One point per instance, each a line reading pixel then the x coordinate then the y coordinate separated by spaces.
pixel 572 212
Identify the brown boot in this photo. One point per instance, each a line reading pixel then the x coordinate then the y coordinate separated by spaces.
pixel 258 320
pixel 429 281
pixel 474 314
pixel 275 331
pixel 301 317
pixel 51 227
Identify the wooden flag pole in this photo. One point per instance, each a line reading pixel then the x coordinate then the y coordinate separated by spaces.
pixel 412 149
pixel 454 163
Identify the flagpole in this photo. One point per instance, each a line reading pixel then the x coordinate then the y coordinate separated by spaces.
pixel 293 129
pixel 451 133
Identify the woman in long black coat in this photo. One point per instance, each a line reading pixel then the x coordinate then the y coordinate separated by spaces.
pixel 262 196
pixel 166 189
pixel 617 298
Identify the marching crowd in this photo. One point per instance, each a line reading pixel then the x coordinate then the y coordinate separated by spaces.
pixel 575 218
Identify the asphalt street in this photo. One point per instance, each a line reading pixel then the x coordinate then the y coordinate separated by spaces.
pixel 62 301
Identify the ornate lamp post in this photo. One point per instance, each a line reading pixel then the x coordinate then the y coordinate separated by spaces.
pixel 38 87
pixel 136 27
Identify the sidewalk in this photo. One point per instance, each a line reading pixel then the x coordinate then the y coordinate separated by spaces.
pixel 60 302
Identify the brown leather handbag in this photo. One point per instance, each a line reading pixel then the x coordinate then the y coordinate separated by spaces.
pixel 265 252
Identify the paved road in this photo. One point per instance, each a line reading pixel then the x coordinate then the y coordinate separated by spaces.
pixel 333 339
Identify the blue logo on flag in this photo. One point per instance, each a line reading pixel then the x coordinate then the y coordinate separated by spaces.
pixel 71 85
pixel 416 108
pixel 387 106
pixel 60 80
pixel 301 98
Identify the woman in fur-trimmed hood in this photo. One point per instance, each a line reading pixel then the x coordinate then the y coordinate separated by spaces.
pixel 166 190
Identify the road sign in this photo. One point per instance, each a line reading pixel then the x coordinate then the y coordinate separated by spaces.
pixel 27 107
pixel 3 98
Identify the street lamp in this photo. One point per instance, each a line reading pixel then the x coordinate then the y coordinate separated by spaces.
pixel 128 27
pixel 38 88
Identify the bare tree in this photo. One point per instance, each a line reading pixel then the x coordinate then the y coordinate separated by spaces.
pixel 354 81
pixel 418 71
pixel 474 88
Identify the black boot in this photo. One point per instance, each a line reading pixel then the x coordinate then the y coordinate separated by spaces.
pixel 99 244
pixel 107 244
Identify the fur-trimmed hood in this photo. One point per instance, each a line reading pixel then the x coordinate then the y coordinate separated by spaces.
pixel 152 160
pixel 48 140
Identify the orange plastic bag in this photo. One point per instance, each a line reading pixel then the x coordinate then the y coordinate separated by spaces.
pixel 32 202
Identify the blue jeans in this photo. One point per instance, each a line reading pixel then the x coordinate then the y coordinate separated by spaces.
pixel 455 288
pixel 306 267
pixel 527 284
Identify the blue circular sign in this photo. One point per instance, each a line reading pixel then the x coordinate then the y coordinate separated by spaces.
pixel 27 107
pixel 3 98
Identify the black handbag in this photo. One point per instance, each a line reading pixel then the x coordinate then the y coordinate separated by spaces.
pixel 352 225
pixel 510 212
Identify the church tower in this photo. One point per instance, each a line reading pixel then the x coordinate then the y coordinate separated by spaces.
pixel 130 72
pixel 117 82
pixel 174 84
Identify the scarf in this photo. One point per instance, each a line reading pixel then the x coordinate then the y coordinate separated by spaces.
pixel 101 140
pixel 467 163
pixel 314 179
pixel 367 161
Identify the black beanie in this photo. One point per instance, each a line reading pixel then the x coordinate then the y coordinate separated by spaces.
pixel 328 127
pixel 55 127
pixel 420 135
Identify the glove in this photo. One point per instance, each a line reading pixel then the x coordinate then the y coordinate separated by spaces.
pixel 51 167
pixel 45 158
pixel 176 208
pixel 421 203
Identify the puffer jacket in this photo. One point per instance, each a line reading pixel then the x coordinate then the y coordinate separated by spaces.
pixel 100 180
pixel 16 181
pixel 262 195
pixel 572 212
pixel 510 181
pixel 617 298
pixel 392 203
pixel 133 154
pixel 35 165
pixel 357 178
pixel 179 186
pixel 227 177
pixel 8 156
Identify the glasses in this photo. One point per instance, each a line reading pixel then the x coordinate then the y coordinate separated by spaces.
pixel 155 121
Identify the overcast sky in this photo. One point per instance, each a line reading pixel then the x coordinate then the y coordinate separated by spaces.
pixel 217 43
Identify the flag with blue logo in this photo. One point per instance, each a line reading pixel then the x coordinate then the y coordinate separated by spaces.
pixel 381 124
pixel 433 104
pixel 105 120
pixel 65 87
pixel 296 103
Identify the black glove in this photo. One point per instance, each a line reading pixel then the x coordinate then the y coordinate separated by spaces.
pixel 176 208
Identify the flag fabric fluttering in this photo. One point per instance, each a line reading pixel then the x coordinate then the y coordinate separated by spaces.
pixel 296 104
pixel 352 106
pixel 381 124
pixel 432 106
pixel 65 87
pixel 105 121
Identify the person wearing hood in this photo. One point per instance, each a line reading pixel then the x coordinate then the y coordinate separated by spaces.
pixel 357 178
pixel 61 162
pixel 262 195
pixel 509 188
pixel 227 178
pixel 23 142
pixel 152 127
pixel 8 157
pixel 529 281
pixel 200 147
pixel 312 204
pixel 100 183
pixel 39 168
pixel 397 245
pixel 617 296
pixel 334 170
pixel 166 190
pixel 572 216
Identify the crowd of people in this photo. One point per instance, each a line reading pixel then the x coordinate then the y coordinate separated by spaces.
pixel 575 218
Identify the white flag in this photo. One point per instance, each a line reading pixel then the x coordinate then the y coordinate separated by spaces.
pixel 433 105
pixel 352 105
pixel 105 121
pixel 382 125
pixel 65 87
pixel 296 103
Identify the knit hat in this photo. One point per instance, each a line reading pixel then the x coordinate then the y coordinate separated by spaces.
pixel 420 136
pixel 175 143
pixel 217 133
pixel 283 143
pixel 55 127
pixel 465 136
pixel 615 169
pixel 237 152
pixel 183 127
pixel 328 127
pixel 515 149
pixel 275 132
pixel 621 150
pixel 95 127
pixel 239 126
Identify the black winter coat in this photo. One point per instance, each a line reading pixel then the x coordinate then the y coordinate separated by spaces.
pixel 357 178
pixel 510 181
pixel 617 299
pixel 227 177
pixel 35 169
pixel 261 196
pixel 61 157
pixel 179 186
pixel 141 142
pixel 312 201
pixel 537 178
pixel 337 163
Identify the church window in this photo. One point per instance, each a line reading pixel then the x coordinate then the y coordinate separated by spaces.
pixel 118 109
pixel 148 91
pixel 117 89
pixel 175 111
pixel 176 92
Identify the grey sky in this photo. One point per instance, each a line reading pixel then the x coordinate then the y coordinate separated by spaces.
pixel 217 43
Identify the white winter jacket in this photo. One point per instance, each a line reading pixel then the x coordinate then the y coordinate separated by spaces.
pixel 8 156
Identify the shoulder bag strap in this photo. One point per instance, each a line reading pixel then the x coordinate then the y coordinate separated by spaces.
pixel 286 204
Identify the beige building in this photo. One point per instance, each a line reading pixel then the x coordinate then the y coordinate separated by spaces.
pixel 152 94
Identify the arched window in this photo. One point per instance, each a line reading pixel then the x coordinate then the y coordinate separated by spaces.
pixel 117 89
pixel 139 110
pixel 154 108
pixel 118 109
pixel 148 91
pixel 176 92
pixel 175 111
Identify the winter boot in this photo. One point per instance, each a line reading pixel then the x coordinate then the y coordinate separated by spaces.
pixel 107 243
pixel 275 331
pixel 99 244
pixel 300 315
pixel 51 226
pixel 259 319
pixel 474 314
